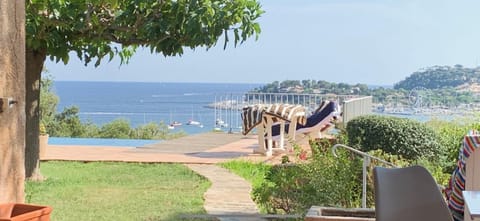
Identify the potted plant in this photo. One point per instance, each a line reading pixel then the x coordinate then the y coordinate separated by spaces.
pixel 24 212
pixel 43 140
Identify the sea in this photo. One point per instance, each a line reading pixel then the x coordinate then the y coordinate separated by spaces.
pixel 145 102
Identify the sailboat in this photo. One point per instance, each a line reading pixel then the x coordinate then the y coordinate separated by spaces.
pixel 176 123
pixel 194 122
pixel 173 124
pixel 219 123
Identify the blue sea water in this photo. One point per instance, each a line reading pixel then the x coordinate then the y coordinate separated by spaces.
pixel 141 103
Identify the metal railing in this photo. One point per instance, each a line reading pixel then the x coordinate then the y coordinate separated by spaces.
pixel 228 106
pixel 366 162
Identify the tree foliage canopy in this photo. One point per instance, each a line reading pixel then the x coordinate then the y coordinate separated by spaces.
pixel 165 26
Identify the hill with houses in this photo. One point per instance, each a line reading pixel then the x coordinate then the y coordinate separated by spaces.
pixel 437 85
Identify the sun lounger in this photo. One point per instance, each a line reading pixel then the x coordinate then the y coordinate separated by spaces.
pixel 316 124
pixel 263 117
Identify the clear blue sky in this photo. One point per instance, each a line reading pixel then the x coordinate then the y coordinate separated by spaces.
pixel 353 41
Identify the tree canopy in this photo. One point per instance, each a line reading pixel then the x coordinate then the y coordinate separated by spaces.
pixel 98 29
pixel 89 28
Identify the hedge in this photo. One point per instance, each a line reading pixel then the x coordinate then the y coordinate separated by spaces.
pixel 399 136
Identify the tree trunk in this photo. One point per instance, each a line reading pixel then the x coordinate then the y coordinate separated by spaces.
pixel 12 103
pixel 34 65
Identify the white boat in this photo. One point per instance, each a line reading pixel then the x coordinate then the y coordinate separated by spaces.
pixel 220 123
pixel 193 122
pixel 175 124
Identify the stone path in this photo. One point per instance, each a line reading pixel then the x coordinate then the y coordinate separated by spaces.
pixel 229 196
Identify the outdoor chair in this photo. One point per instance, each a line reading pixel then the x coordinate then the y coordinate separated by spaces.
pixel 317 123
pixel 408 194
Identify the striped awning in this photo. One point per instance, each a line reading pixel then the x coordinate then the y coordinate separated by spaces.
pixel 457 181
pixel 253 115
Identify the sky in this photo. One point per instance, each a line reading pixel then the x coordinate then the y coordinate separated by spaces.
pixel 375 42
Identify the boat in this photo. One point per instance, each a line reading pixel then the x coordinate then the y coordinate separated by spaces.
pixel 193 122
pixel 220 123
pixel 175 124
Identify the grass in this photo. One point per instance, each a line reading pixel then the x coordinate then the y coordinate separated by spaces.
pixel 118 191
pixel 252 172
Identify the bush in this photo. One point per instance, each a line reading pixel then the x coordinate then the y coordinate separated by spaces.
pixel 324 180
pixel 67 124
pixel 398 136
pixel 451 135
pixel 118 128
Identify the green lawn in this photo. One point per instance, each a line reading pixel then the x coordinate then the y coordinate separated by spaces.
pixel 118 191
pixel 252 172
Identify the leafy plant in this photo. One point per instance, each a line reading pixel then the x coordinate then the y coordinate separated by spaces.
pixel 399 136
pixel 118 128
pixel 43 130
pixel 451 135
pixel 323 180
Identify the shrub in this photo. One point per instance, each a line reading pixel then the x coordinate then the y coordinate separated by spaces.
pixel 323 180
pixel 398 136
pixel 66 124
pixel 42 129
pixel 326 180
pixel 118 128
pixel 451 135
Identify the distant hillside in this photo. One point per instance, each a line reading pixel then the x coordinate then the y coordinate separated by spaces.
pixel 437 86
pixel 440 77
pixel 313 87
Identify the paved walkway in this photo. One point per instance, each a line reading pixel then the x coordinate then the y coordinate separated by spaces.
pixel 229 196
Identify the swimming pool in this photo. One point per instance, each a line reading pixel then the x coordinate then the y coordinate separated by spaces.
pixel 100 142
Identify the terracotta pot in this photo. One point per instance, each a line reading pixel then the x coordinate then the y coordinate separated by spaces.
pixel 24 212
pixel 43 144
pixel 317 213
